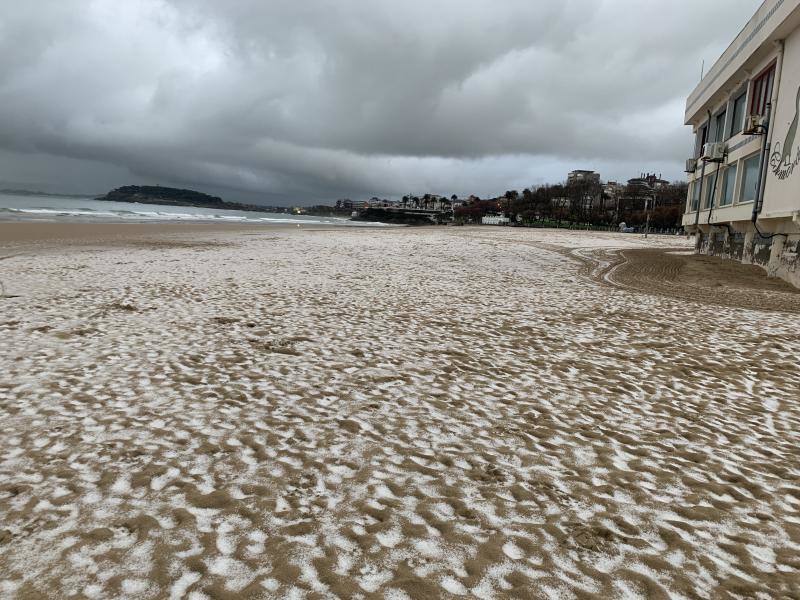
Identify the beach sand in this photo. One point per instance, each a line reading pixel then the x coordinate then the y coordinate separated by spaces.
pixel 245 412
pixel 58 233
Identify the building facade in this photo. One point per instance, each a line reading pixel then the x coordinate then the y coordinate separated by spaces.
pixel 612 192
pixel 582 176
pixel 651 180
pixel 744 180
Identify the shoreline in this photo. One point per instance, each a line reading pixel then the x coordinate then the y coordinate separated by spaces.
pixel 37 231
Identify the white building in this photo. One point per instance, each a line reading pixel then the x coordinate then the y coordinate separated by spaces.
pixel 495 220
pixel 744 192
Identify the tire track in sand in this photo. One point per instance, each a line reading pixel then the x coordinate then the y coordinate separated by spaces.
pixel 704 279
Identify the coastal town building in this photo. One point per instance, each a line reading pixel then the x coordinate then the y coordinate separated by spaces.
pixel 495 220
pixel 612 192
pixel 584 192
pixel 641 192
pixel 744 182
pixel 582 176
pixel 649 180
pixel 381 202
pixel 344 204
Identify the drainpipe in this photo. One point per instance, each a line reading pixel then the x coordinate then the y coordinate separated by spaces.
pixel 713 193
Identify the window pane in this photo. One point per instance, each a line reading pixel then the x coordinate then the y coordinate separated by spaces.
pixel 737 121
pixel 695 194
pixel 754 96
pixel 729 183
pixel 762 91
pixel 702 138
pixel 708 191
pixel 719 134
pixel 760 100
pixel 768 91
pixel 749 179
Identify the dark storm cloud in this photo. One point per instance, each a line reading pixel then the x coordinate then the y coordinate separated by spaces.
pixel 318 99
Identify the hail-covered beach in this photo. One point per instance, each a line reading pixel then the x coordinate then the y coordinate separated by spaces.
pixel 395 413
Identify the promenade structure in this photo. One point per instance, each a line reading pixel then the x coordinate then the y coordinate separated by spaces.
pixel 744 175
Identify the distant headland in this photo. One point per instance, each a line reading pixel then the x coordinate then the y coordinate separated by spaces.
pixel 156 194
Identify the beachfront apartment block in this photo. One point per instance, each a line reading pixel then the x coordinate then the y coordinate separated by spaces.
pixel 744 175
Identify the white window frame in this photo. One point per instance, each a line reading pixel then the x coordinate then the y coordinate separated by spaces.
pixel 699 137
pixel 741 179
pixel 733 165
pixel 695 186
pixel 740 127
pixel 707 203
pixel 721 137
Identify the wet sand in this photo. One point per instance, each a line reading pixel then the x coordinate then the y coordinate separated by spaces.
pixel 28 232
pixel 408 413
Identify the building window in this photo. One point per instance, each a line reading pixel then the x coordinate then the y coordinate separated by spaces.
pixel 695 198
pixel 719 126
pixel 728 185
pixel 708 191
pixel 749 185
pixel 737 122
pixel 702 138
pixel 762 91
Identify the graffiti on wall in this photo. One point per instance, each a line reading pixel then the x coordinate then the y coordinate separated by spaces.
pixel 781 161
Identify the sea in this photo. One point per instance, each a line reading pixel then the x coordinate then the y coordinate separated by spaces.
pixel 18 207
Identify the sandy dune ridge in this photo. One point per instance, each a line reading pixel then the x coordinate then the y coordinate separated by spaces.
pixel 493 413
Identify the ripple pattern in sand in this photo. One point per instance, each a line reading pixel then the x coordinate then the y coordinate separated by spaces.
pixel 405 414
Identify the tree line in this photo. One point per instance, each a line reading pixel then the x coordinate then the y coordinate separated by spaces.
pixel 585 202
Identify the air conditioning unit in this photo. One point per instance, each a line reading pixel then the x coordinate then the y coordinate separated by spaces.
pixel 713 152
pixel 754 125
pixel 691 165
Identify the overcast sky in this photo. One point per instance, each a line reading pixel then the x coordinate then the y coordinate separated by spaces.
pixel 314 100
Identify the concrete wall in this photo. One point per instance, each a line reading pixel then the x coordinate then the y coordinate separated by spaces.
pixel 779 256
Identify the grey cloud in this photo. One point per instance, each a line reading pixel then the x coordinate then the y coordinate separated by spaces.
pixel 314 100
